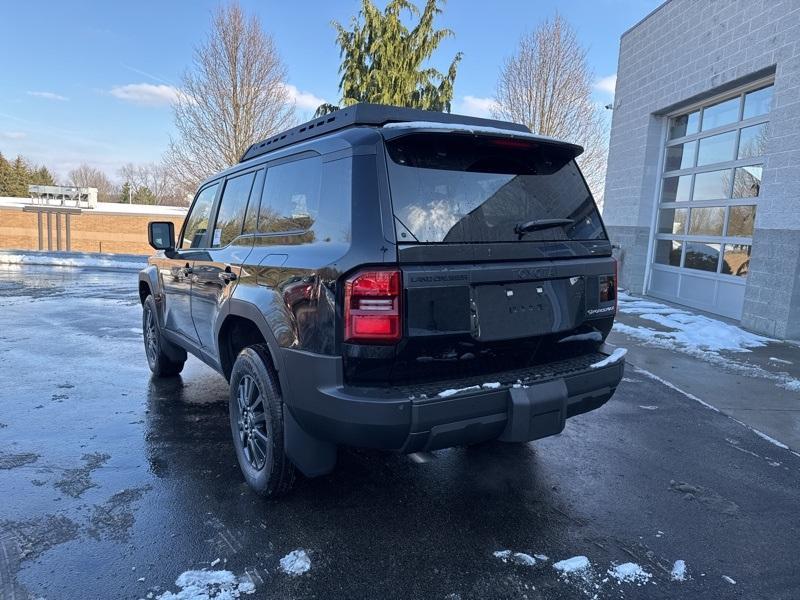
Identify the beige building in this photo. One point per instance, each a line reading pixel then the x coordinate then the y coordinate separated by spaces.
pixel 26 224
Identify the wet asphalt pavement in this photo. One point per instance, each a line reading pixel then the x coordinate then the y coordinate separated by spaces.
pixel 113 484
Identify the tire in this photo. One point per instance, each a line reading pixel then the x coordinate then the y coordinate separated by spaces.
pixel 256 415
pixel 160 354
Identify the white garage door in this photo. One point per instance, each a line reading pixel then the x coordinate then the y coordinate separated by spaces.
pixel 712 165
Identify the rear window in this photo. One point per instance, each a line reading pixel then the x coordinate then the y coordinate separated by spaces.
pixel 455 188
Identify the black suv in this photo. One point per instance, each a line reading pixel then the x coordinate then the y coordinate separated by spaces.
pixel 388 278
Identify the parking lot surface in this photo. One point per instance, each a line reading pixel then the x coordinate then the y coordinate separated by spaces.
pixel 113 485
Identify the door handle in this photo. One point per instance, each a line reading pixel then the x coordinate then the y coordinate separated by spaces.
pixel 227 276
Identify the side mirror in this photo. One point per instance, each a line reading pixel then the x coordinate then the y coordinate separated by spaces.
pixel 161 235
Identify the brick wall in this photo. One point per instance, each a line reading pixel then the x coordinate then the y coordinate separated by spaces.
pixel 89 231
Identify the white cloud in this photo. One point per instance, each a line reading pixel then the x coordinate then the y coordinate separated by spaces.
pixel 48 96
pixel 13 135
pixel 475 106
pixel 147 94
pixel 303 100
pixel 607 85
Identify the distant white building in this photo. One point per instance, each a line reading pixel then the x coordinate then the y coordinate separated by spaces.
pixel 64 195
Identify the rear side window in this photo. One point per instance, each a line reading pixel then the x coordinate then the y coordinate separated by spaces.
pixel 232 208
pixel 456 188
pixel 197 220
pixel 307 201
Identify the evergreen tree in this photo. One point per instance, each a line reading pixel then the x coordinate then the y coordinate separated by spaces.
pixel 383 61
pixel 20 176
pixel 143 195
pixel 41 176
pixel 126 193
pixel 5 176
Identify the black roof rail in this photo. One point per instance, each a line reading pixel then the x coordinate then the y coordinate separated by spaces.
pixel 367 114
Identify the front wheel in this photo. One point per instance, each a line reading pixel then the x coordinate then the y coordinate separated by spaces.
pixel 160 362
pixel 256 414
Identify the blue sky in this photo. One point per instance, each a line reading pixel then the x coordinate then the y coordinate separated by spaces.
pixel 91 81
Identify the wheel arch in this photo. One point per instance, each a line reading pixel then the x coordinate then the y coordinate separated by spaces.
pixel 242 326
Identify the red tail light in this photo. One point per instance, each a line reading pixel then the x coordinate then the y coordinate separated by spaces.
pixel 372 307
pixel 608 287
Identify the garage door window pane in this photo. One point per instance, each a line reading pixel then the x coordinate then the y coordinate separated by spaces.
pixel 712 186
pixel 676 189
pixel 684 125
pixel 702 256
pixel 753 141
pixel 680 156
pixel 717 148
pixel 668 252
pixel 758 102
pixel 672 220
pixel 741 220
pixel 736 260
pixel 747 182
pixel 707 221
pixel 721 114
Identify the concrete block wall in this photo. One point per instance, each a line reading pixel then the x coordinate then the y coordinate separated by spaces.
pixel 683 52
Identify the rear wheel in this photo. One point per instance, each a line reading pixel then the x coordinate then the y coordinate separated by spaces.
pixel 162 363
pixel 256 414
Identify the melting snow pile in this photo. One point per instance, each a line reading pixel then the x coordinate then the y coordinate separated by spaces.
pixel 576 564
pixel 207 585
pixel 689 331
pixel 678 571
pixel 519 558
pixel 72 261
pixel 629 573
pixel 296 563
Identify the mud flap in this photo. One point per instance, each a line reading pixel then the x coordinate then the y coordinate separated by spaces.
pixel 312 456
pixel 536 412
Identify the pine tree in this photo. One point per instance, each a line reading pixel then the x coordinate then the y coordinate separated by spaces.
pixel 41 176
pixel 383 60
pixel 143 195
pixel 20 176
pixel 126 193
pixel 5 176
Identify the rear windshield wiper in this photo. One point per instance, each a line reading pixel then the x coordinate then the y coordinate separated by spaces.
pixel 522 228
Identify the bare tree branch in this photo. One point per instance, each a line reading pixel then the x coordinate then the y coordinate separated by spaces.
pixel 547 86
pixel 88 176
pixel 233 96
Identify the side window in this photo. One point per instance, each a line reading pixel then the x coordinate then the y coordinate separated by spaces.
pixel 290 202
pixel 232 208
pixel 251 217
pixel 197 220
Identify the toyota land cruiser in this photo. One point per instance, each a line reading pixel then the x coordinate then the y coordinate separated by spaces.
pixel 388 278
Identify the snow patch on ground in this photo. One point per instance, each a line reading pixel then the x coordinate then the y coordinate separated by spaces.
pixel 688 331
pixel 296 563
pixel 616 356
pixel 678 571
pixel 576 564
pixel 519 558
pixel 648 407
pixel 729 579
pixel 629 573
pixel 71 261
pixel 206 585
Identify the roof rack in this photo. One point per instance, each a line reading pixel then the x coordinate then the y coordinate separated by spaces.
pixel 367 114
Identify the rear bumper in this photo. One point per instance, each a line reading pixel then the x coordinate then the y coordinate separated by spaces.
pixel 515 405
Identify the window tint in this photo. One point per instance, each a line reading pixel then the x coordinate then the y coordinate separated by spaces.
pixel 676 189
pixel 251 216
pixel 741 220
pixel 680 156
pixel 668 252
pixel 197 220
pixel 450 188
pixel 673 220
pixel 707 221
pixel 717 148
pixel 291 198
pixel 232 207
